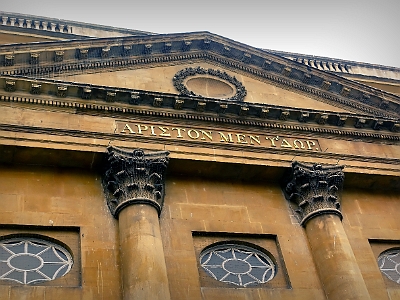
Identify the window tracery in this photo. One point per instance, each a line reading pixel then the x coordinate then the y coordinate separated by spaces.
pixel 389 264
pixel 30 260
pixel 237 264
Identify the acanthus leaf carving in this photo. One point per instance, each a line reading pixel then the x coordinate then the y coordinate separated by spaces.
pixel 134 177
pixel 314 190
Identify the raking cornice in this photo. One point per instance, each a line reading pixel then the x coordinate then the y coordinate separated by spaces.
pixel 107 54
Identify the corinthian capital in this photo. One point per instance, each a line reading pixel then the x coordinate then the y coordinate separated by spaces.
pixel 314 190
pixel 134 177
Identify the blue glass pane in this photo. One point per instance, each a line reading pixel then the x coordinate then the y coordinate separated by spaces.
pixel 215 260
pixel 246 279
pixel 205 257
pixel 62 271
pixel 19 276
pixel 33 276
pixel 35 249
pixel 20 248
pixel 25 262
pixel 241 255
pixel 4 254
pixel 62 255
pixel 268 275
pixel 258 273
pixel 4 268
pixel 218 272
pixel 50 269
pixel 225 253
pixel 255 261
pixel 232 278
pixel 49 256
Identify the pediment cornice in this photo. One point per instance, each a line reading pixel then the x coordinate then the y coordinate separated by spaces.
pixel 105 54
pixel 122 102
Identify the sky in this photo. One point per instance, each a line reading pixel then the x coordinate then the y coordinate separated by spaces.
pixel 358 30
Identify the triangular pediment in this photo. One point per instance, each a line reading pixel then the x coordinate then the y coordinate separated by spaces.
pixel 128 62
pixel 160 79
pixel 8 37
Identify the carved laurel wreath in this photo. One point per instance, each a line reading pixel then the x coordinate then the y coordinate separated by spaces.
pixel 188 72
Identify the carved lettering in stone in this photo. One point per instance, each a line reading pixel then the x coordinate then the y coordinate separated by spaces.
pixel 264 112
pixel 35 88
pixel 59 56
pixel 323 118
pixel 10 86
pixel 314 190
pixel 135 97
pixel 34 58
pixel 9 60
pixel 134 177
pixel 62 91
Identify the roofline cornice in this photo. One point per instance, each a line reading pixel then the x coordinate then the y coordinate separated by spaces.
pixel 339 60
pixel 122 101
pixel 343 67
pixel 46 25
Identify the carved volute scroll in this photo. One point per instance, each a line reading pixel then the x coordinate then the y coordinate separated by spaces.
pixel 134 177
pixel 314 190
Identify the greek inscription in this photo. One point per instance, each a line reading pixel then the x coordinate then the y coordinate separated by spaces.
pixel 179 131
pixel 285 144
pixel 164 130
pixel 244 139
pixel 241 138
pixel 226 138
pixel 127 127
pixel 193 134
pixel 295 142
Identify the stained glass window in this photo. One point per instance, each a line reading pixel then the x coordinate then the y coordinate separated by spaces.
pixel 30 260
pixel 238 265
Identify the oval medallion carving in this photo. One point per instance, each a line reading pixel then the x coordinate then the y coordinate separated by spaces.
pixel 208 83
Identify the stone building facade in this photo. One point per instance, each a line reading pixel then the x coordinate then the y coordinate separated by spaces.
pixel 190 166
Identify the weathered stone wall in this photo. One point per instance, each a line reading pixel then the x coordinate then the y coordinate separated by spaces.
pixel 56 199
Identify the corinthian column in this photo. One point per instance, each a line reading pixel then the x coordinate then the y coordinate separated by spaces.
pixel 314 192
pixel 134 189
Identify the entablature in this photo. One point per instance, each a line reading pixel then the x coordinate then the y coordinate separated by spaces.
pixel 129 102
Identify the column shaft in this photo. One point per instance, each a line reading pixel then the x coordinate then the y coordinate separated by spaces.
pixel 144 273
pixel 134 189
pixel 334 259
pixel 314 191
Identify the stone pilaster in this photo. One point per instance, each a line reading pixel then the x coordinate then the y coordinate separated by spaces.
pixel 314 190
pixel 134 189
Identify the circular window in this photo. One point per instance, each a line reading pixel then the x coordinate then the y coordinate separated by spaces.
pixel 237 264
pixel 389 264
pixel 29 260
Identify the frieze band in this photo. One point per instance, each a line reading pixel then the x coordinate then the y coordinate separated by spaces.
pixel 206 135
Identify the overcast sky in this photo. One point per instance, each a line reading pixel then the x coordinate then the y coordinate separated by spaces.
pixel 359 30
